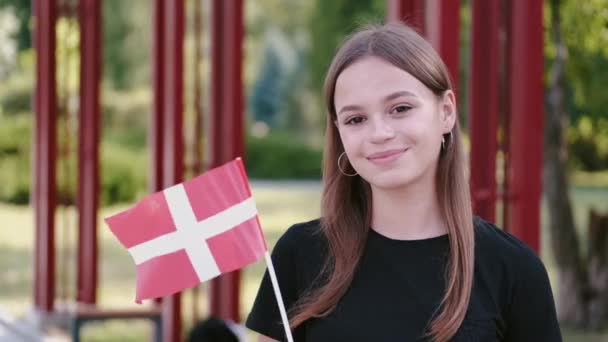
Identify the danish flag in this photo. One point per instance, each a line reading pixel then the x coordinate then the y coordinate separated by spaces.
pixel 191 232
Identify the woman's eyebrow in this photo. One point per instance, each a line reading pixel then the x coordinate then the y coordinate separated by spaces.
pixel 399 94
pixel 387 98
pixel 350 107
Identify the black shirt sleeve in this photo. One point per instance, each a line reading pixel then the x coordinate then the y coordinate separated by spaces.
pixel 264 317
pixel 531 314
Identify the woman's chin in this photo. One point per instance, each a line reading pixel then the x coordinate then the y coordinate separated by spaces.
pixel 390 181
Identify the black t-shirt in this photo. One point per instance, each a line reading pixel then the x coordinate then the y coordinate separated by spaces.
pixel 399 285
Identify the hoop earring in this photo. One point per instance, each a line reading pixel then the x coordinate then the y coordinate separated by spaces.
pixel 340 167
pixel 443 140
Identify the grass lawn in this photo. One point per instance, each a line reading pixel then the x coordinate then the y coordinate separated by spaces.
pixel 280 205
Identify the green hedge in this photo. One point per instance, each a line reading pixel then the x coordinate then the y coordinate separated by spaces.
pixel 279 156
pixel 15 159
pixel 124 168
pixel 124 174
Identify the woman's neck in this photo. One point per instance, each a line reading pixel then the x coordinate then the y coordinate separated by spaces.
pixel 410 213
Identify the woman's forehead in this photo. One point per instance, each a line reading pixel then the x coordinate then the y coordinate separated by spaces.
pixel 374 79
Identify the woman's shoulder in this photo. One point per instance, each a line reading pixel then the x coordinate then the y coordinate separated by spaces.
pixel 493 244
pixel 301 239
pixel 301 231
pixel 519 281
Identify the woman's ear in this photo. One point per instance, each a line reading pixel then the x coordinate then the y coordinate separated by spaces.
pixel 447 111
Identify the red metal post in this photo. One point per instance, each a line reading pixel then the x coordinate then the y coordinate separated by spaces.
pixel 173 91
pixel 88 170
pixel 172 131
pixel 45 147
pixel 155 135
pixel 484 106
pixel 410 11
pixel 226 123
pixel 443 31
pixel 526 120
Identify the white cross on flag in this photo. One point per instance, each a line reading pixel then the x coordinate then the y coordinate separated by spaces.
pixel 191 232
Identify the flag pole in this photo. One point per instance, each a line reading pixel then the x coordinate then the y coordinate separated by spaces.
pixel 277 293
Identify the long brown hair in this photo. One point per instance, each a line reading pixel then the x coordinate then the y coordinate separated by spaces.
pixel 346 202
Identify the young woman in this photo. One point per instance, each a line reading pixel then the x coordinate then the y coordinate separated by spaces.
pixel 397 254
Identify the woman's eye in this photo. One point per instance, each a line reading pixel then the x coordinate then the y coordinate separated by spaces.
pixel 354 121
pixel 401 109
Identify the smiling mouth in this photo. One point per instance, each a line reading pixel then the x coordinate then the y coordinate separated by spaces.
pixel 386 156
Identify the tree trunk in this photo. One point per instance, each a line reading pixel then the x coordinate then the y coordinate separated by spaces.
pixel 572 275
pixel 598 269
pixel 582 288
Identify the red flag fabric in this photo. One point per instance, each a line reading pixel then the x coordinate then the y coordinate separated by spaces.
pixel 191 232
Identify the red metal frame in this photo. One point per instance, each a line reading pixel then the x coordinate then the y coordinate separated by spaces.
pixel 411 11
pixel 226 124
pixel 171 92
pixel 443 31
pixel 88 170
pixel 526 120
pixel 155 182
pixel 45 147
pixel 484 106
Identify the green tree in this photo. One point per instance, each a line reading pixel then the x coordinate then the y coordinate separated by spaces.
pixel 23 11
pixel 585 40
pixel 127 33
pixel 574 33
pixel 331 22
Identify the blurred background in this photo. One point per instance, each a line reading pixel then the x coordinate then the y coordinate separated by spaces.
pixel 287 46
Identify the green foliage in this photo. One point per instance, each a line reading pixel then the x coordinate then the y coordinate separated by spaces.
pixel 331 22
pixel 585 33
pixel 15 159
pixel 276 70
pixel 15 182
pixel 17 90
pixel 15 136
pixel 16 97
pixel 127 33
pixel 23 11
pixel 123 174
pixel 123 169
pixel 126 117
pixel 588 144
pixel 268 91
pixel 584 28
pixel 279 156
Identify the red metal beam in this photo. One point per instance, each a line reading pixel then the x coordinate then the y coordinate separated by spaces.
pixel 526 120
pixel 226 123
pixel 484 106
pixel 173 93
pixel 443 31
pixel 155 135
pixel 172 131
pixel 45 147
pixel 412 12
pixel 88 161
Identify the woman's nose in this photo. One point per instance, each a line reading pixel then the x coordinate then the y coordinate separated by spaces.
pixel 382 130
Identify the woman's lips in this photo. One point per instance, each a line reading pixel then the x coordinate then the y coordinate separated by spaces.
pixel 386 156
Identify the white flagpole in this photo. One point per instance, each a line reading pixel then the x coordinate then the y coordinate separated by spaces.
pixel 277 293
